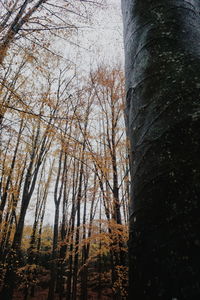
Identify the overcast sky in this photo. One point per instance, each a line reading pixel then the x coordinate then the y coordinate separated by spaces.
pixel 102 41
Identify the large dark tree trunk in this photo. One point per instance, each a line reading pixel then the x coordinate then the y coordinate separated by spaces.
pixel 162 46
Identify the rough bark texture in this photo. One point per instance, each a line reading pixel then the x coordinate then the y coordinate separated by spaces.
pixel 162 49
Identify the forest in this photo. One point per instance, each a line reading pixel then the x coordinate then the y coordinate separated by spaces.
pixel 64 169
pixel 99 158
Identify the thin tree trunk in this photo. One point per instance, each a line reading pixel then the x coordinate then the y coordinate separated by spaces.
pixel 64 240
pixel 52 282
pixel 71 231
pixel 5 193
pixel 57 198
pixel 84 269
pixel 77 236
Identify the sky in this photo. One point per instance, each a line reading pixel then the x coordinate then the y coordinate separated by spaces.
pixel 102 40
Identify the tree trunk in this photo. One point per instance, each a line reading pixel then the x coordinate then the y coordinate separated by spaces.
pixel 77 234
pixel 71 232
pixel 54 265
pixel 9 178
pixel 84 267
pixel 162 46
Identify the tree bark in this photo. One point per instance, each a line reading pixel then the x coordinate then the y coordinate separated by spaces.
pixel 162 49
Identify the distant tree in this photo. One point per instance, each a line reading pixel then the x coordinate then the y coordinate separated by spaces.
pixel 162 49
pixel 108 87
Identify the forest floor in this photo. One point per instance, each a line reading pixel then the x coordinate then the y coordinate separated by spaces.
pixel 42 295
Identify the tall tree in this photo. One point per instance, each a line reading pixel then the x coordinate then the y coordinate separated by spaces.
pixel 162 46
pixel 108 90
